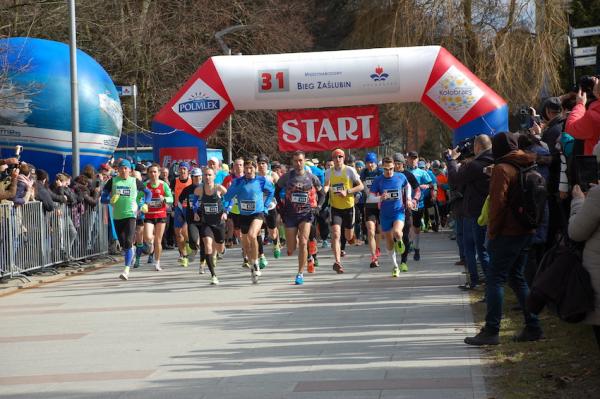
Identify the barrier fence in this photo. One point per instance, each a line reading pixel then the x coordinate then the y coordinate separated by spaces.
pixel 31 239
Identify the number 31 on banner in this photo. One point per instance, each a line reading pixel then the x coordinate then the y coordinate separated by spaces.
pixel 273 80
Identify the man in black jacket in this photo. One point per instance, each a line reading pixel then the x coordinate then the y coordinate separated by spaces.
pixel 471 175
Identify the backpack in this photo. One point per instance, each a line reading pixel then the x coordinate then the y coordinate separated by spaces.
pixel 528 198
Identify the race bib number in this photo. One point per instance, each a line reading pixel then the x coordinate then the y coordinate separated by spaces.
pixel 369 182
pixel 338 187
pixel 248 206
pixel 300 198
pixel 155 203
pixel 126 191
pixel 392 195
pixel 211 208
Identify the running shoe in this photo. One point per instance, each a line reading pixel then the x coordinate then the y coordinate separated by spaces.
pixel 157 266
pixel 339 269
pixel 263 262
pixel 396 271
pixel 254 277
pixel 310 265
pixel 276 251
pixel 136 264
pixel 124 275
pixel 201 269
pixel 325 244
pixel 374 263
pixel 246 264
pixel 214 280
pixel 151 258
pixel 256 270
pixel 185 262
pixel 417 255
pixel 403 267
pixel 399 247
pixel 342 253
pixel 299 279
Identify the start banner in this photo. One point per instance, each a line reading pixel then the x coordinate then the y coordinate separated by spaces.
pixel 327 129
pixel 170 155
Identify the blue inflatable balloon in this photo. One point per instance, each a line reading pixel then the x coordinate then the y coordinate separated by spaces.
pixel 35 105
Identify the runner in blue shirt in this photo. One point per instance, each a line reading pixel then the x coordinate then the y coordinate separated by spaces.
pixel 425 183
pixel 254 194
pixel 392 188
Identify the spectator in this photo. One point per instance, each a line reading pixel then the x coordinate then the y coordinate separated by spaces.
pixel 25 190
pixel 585 124
pixel 81 187
pixel 584 225
pixel 471 176
pixel 508 243
pixel 8 185
pixel 43 193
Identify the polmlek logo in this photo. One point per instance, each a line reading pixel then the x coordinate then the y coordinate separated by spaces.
pixel 379 75
pixel 199 102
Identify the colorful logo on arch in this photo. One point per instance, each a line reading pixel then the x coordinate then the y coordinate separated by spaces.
pixel 455 93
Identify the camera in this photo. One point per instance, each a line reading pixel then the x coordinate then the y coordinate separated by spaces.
pixel 527 117
pixel 466 147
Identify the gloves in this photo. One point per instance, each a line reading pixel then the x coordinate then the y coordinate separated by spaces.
pixel 114 198
pixel 144 208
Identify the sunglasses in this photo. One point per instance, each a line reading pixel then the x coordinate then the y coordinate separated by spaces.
pixel 339 156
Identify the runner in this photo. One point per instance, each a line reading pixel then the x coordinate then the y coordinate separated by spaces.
pixel 371 207
pixel 416 194
pixel 298 209
pixel 156 217
pixel 249 191
pixel 392 188
pixel 209 211
pixel 181 232
pixel 186 200
pixel 233 221
pixel 271 218
pixel 425 182
pixel 341 182
pixel 127 196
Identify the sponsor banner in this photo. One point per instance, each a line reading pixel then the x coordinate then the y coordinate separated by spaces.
pixel 335 77
pixel 169 155
pixel 327 129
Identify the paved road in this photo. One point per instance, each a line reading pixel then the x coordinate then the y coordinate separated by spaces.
pixel 170 335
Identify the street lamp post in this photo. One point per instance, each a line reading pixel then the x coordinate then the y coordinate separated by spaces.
pixel 227 51
pixel 74 94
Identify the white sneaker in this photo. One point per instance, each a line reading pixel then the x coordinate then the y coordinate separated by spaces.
pixel 157 266
pixel 124 275
pixel 214 280
pixel 257 271
pixel 254 277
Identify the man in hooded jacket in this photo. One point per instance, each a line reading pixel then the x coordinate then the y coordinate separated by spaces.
pixel 508 244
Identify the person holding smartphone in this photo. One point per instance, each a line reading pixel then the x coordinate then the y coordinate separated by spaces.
pixel 584 121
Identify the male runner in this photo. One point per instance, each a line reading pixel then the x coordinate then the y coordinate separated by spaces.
pixel 399 162
pixel 181 231
pixel 341 182
pixel 233 220
pixel 127 195
pixel 392 188
pixel 156 217
pixel 371 206
pixel 425 183
pixel 271 218
pixel 186 201
pixel 249 192
pixel 299 207
pixel 209 211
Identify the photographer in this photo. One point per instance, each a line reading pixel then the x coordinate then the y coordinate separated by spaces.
pixel 471 175
pixel 585 124
pixel 8 183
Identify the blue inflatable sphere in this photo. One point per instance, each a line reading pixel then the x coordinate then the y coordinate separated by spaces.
pixel 35 105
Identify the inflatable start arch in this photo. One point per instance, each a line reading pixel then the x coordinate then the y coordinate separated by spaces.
pixel 430 75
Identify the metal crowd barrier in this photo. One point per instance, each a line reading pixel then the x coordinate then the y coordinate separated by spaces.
pixel 31 239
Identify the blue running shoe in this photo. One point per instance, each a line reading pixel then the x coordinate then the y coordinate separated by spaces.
pixel 299 279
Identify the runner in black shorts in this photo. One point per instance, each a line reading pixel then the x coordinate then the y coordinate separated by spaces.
pixel 371 203
pixel 399 163
pixel 302 189
pixel 209 211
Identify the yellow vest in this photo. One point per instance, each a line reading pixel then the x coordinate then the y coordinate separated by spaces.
pixel 336 183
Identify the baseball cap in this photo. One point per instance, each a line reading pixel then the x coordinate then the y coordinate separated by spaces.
pixel 371 157
pixel 359 164
pixel 125 163
pixel 337 152
pixel 421 164
pixel 413 154
pixel 275 165
pixel 398 157
pixel 263 158
pixel 214 159
pixel 195 171
pixel 184 165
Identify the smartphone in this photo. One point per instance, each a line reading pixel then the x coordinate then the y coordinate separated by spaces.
pixel 586 169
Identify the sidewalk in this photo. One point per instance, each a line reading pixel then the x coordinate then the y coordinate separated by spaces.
pixel 170 335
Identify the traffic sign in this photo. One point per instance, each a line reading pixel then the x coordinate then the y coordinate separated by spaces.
pixel 584 61
pixel 589 31
pixel 583 51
